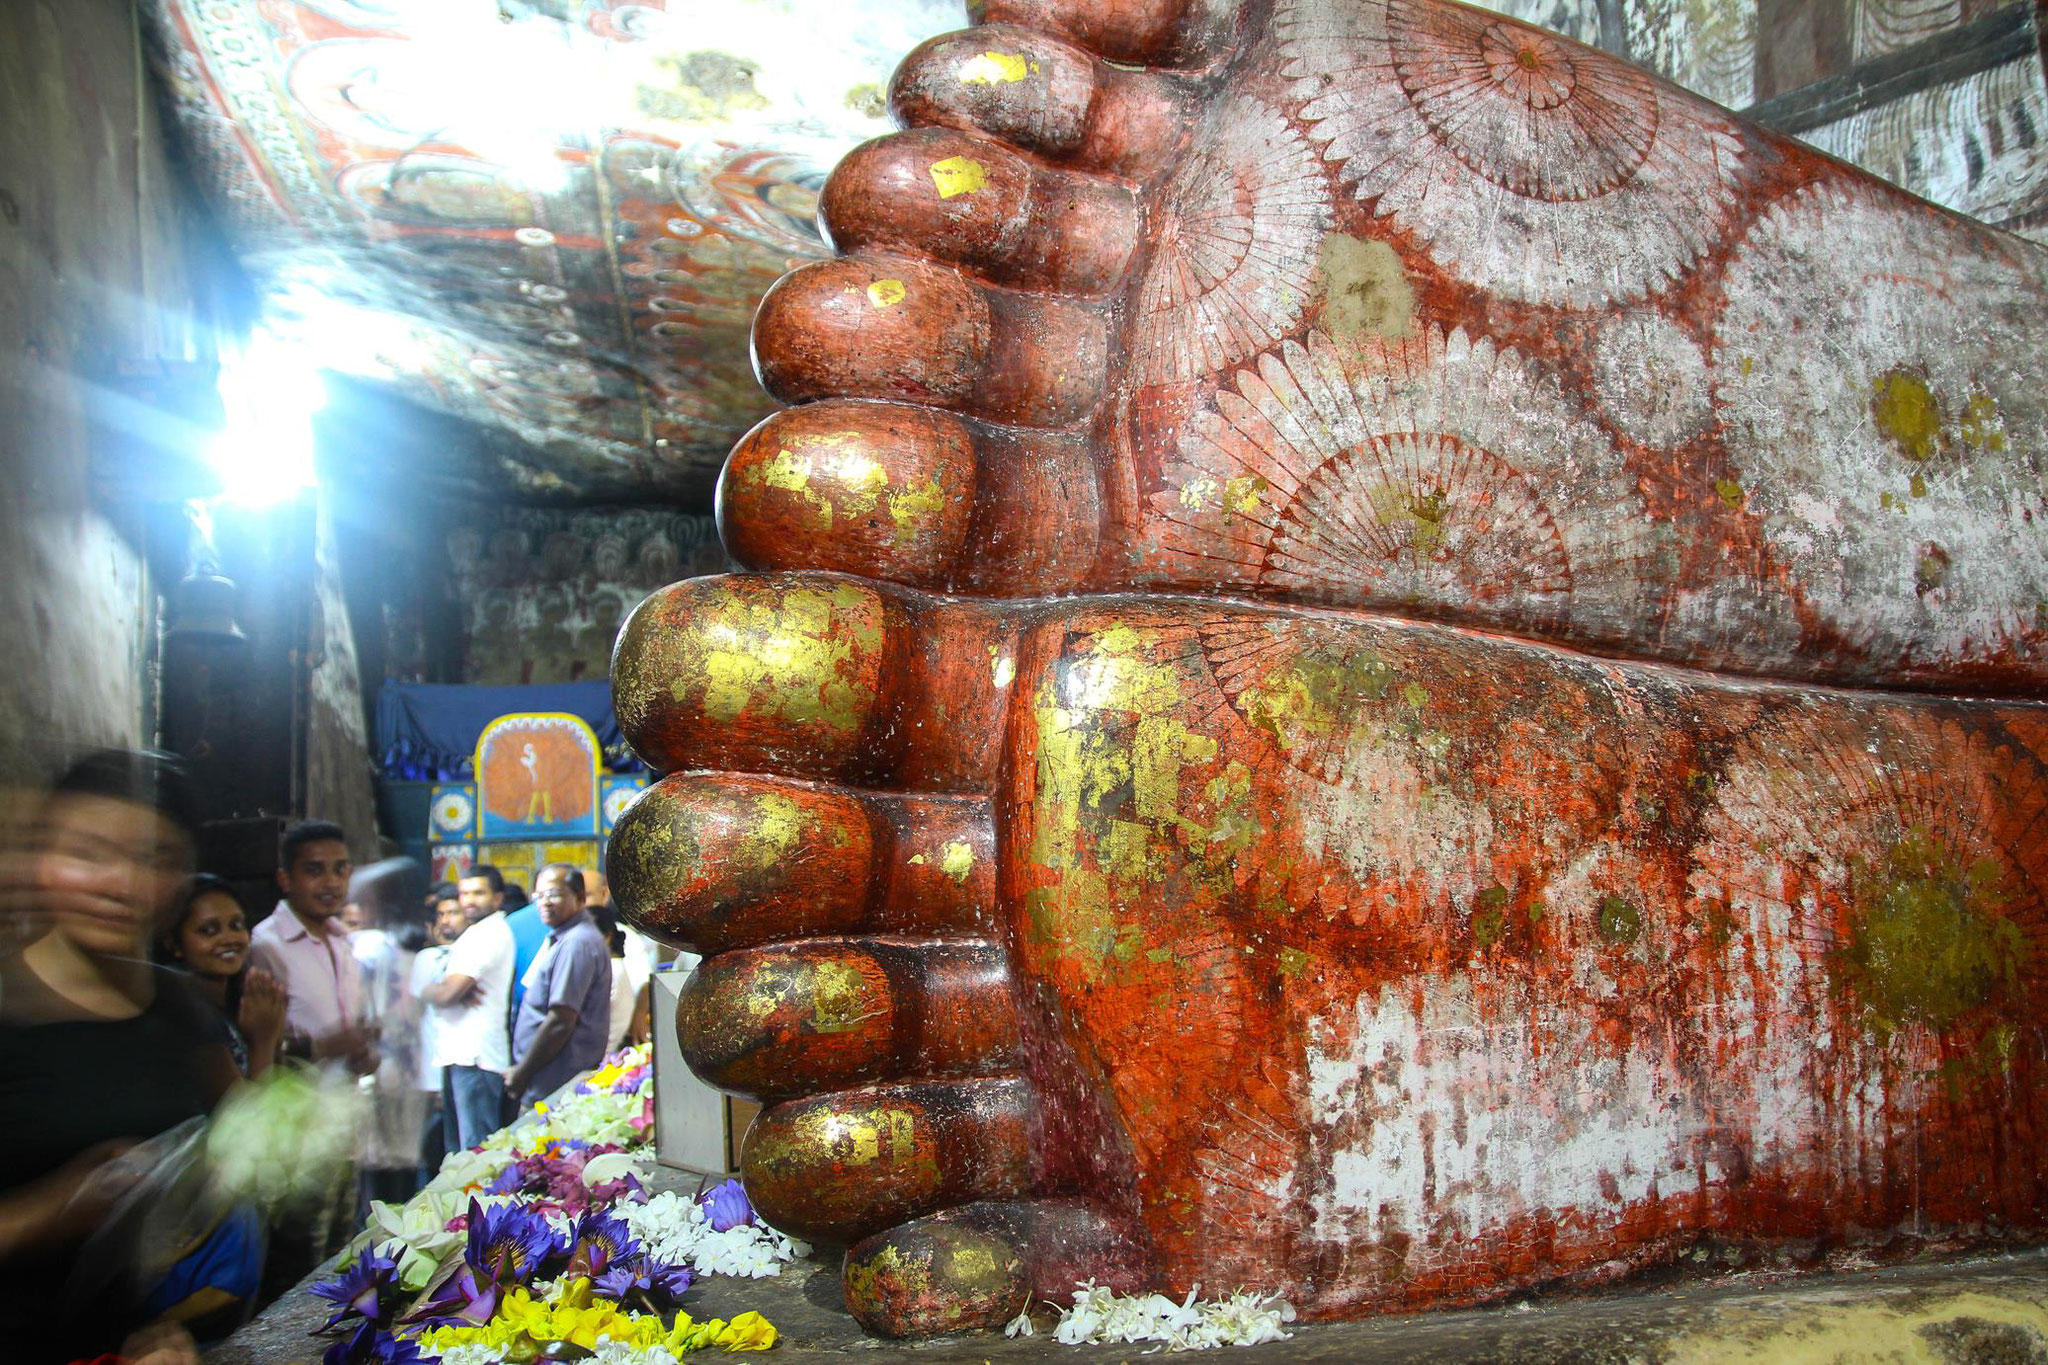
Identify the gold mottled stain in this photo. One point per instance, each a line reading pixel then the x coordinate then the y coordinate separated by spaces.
pixel 1907 413
pixel 958 175
pixel 918 503
pixel 1731 493
pixel 1111 753
pixel 840 998
pixel 887 293
pixel 1982 428
pixel 1930 940
pixel 1315 695
pixel 956 860
pixel 869 99
pixel 827 476
pixel 1422 514
pixel 794 654
pixel 1363 290
pixel 773 832
pixel 1199 490
pixel 1930 569
pixel 995 68
pixel 1241 494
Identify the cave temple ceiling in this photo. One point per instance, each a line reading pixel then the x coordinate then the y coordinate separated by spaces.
pixel 535 231
pixel 550 219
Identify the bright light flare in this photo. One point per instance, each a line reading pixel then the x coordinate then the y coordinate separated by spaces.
pixel 264 451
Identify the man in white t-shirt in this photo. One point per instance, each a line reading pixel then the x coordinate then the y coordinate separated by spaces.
pixel 428 967
pixel 472 1033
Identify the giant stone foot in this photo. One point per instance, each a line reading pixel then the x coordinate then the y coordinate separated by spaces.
pixel 1171 871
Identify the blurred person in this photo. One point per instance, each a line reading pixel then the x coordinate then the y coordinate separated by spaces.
pixel 327 1021
pixel 444 925
pixel 208 937
pixel 631 973
pixel 100 1050
pixel 639 954
pixel 565 1019
pixel 470 1005
pixel 385 948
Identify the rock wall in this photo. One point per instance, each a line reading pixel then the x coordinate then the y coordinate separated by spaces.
pixel 92 277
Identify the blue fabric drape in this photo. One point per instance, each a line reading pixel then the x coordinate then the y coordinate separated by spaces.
pixel 427 732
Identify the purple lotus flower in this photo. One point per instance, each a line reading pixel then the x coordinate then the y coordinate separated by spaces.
pixel 660 1284
pixel 511 1180
pixel 726 1206
pixel 511 1244
pixel 371 1345
pixel 349 1350
pixel 390 1349
pixel 464 1299
pixel 507 1246
pixel 360 1290
pixel 603 1242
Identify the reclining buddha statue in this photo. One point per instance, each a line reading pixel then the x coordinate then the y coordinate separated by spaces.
pixel 1387 661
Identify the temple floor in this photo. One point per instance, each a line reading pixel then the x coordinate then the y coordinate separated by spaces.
pixel 1978 1310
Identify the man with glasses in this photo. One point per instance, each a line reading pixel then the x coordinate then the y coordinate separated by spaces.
pixel 565 1016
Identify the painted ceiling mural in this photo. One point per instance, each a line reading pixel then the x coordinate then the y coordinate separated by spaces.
pixel 553 218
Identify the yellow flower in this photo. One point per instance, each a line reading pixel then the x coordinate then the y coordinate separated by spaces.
pixel 747 1332
pixel 508 1342
pixel 605 1077
pixel 524 1325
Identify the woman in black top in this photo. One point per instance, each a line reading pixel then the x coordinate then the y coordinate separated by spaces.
pixel 99 1049
pixel 208 936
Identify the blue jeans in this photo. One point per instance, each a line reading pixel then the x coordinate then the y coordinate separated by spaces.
pixel 472 1105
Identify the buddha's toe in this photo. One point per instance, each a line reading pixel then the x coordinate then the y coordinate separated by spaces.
pixel 798 1019
pixel 980 1265
pixel 713 862
pixel 914 496
pixel 838 1167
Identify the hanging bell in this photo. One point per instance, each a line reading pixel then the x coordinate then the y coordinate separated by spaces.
pixel 203 610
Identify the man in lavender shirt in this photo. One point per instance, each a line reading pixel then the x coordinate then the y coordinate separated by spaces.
pixel 565 1018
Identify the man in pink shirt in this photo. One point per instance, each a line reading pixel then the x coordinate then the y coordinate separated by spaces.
pixel 304 945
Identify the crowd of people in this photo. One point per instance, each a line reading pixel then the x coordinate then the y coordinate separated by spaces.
pixel 136 992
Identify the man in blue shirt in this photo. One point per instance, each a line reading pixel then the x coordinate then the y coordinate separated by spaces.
pixel 564 1018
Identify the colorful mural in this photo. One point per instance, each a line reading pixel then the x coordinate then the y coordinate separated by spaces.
pixel 551 218
pixel 536 778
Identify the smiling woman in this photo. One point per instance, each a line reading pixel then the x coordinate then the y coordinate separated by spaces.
pixel 209 937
